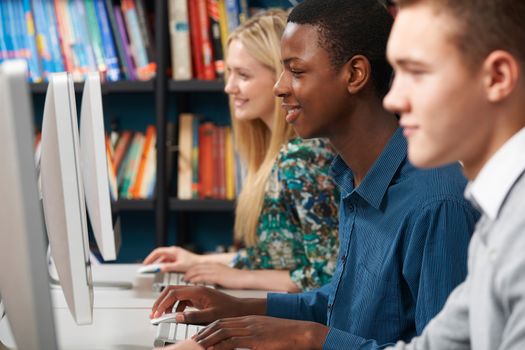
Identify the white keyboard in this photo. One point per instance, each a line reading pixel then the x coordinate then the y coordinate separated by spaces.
pixel 169 333
pixel 172 279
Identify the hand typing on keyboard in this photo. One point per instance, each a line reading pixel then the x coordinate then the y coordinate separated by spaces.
pixel 262 332
pixel 210 304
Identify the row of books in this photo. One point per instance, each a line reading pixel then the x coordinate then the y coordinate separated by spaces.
pixel 198 33
pixel 78 36
pixel 81 36
pixel 206 160
pixel 132 164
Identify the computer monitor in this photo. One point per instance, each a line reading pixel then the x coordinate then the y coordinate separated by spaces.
pixel 95 169
pixel 63 197
pixel 24 283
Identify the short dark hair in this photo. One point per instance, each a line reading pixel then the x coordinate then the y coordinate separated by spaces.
pixel 348 28
pixel 483 26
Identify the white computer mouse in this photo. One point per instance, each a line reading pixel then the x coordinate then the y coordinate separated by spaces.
pixel 170 317
pixel 151 268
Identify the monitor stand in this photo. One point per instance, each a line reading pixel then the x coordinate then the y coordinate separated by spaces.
pixel 54 280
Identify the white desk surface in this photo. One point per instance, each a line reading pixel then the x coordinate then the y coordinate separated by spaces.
pixel 117 329
pixel 120 317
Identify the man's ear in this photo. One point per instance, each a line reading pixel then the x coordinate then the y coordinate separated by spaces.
pixel 501 73
pixel 357 73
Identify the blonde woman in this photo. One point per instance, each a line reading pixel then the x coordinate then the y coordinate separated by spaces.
pixel 286 213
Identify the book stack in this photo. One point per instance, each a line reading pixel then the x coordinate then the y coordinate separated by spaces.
pixel 132 164
pixel 205 159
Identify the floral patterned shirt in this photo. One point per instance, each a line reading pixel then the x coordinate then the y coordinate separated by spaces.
pixel 298 227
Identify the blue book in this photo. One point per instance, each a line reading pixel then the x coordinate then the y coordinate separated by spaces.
pixel 5 23
pixel 3 47
pixel 42 37
pixel 17 28
pixel 108 45
pixel 232 13
pixel 35 73
pixel 81 46
pixel 52 35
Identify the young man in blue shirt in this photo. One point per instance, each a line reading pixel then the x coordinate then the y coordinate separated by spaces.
pixel 459 87
pixel 404 232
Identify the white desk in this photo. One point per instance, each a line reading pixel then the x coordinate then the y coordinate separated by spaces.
pixel 112 329
pixel 120 317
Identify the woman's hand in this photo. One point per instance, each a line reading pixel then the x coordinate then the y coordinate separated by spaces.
pixel 220 274
pixel 172 259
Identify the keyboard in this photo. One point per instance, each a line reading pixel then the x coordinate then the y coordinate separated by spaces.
pixel 162 280
pixel 169 333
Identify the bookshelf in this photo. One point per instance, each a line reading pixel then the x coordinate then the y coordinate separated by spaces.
pixel 160 95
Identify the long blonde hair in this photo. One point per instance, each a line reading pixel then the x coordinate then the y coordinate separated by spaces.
pixel 257 145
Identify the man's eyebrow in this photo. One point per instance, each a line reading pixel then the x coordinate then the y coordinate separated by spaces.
pixel 409 62
pixel 288 60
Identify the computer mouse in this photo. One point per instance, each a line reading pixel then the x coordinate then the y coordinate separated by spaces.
pixel 170 317
pixel 151 268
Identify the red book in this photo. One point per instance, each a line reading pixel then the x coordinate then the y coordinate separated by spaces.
pixel 206 40
pixel 221 171
pixel 196 40
pixel 206 164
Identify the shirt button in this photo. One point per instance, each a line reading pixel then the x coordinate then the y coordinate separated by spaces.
pixel 343 259
pixel 329 307
pixel 351 208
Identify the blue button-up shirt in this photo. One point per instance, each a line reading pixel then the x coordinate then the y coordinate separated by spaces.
pixel 404 234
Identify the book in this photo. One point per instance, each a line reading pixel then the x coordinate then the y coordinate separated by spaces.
pixel 135 190
pixel 121 148
pixel 71 62
pixel 130 62
pixel 80 39
pixel 196 41
pixel 112 176
pixel 206 161
pixel 215 35
pixel 229 164
pixel 223 24
pixel 117 39
pixel 232 14
pixel 108 44
pixel 184 172
pixel 180 40
pixel 42 38
pixel 171 153
pixel 145 70
pixel 195 182
pixel 35 72
pixel 206 42
pixel 145 30
pixel 95 38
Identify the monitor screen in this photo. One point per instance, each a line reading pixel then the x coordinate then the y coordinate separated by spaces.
pixel 63 197
pixel 24 283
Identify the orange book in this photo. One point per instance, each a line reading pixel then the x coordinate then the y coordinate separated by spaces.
pixel 112 174
pixel 135 190
pixel 206 164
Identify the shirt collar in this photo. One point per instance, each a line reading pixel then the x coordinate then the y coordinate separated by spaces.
pixel 493 183
pixel 378 178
